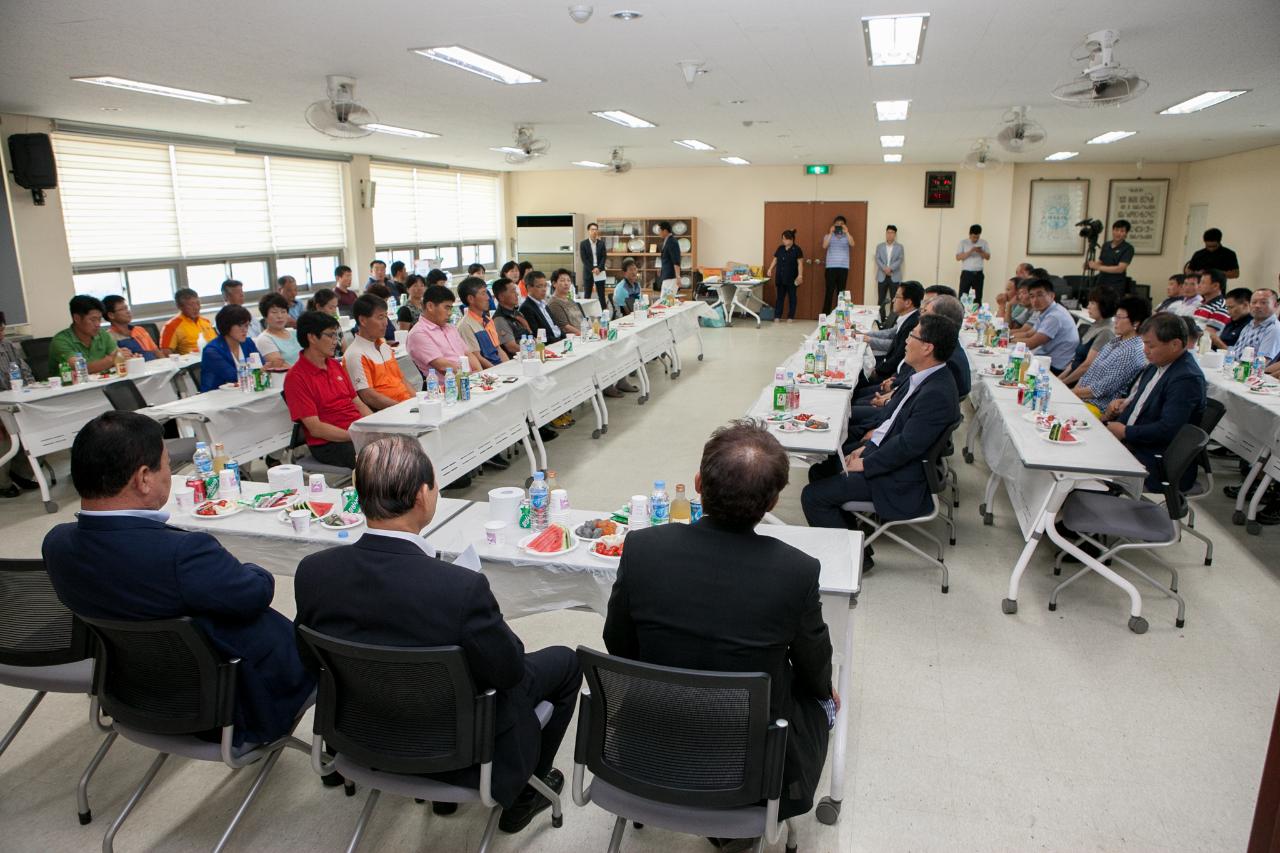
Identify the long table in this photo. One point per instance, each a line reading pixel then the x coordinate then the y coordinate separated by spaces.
pixel 42 421
pixel 526 584
pixel 1250 428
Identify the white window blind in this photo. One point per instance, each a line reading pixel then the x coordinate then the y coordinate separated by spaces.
pixel 137 201
pixel 422 206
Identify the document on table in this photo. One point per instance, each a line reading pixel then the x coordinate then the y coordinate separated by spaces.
pixel 468 559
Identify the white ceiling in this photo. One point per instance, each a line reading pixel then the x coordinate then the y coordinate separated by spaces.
pixel 800 69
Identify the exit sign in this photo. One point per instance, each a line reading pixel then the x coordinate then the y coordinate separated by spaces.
pixel 817 169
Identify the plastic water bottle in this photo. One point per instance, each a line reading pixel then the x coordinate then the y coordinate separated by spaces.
pixel 82 370
pixel 450 387
pixel 820 360
pixel 659 504
pixel 433 385
pixel 1259 366
pixel 15 377
pixel 242 376
pixel 1042 392
pixel 202 459
pixel 1229 363
pixel 540 501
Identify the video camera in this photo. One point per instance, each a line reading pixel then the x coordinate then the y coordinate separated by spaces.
pixel 1090 229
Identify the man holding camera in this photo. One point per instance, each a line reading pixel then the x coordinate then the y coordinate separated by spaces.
pixel 1114 259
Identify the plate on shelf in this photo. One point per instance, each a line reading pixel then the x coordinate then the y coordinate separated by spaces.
pixel 679 228
pixel 635 245
pixel 655 229
pixel 685 281
pixel 685 244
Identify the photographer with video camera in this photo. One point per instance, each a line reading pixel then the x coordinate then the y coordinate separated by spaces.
pixel 1114 258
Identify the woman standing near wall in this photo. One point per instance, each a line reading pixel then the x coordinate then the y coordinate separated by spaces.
pixel 839 248
pixel 786 262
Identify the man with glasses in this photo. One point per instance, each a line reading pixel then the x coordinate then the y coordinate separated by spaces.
pixel 319 393
pixel 1053 332
pixel 128 336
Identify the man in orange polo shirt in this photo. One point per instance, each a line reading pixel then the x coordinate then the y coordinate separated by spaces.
pixel 370 363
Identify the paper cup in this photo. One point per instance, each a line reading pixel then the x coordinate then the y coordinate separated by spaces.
pixel 301 520
pixel 495 533
pixel 430 411
pixel 185 498
pixel 1211 360
pixel 227 483
pixel 315 484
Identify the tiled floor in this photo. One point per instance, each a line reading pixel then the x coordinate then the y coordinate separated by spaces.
pixel 970 730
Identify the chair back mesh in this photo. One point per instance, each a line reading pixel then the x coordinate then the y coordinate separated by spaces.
pixel 1182 453
pixel 676 736
pixel 933 459
pixel 1213 413
pixel 402 710
pixel 124 396
pixel 162 677
pixel 36 629
pixel 36 353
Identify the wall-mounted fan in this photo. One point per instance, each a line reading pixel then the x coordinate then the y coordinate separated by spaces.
pixel 1103 81
pixel 340 116
pixel 1019 132
pixel 526 147
pixel 618 165
pixel 980 158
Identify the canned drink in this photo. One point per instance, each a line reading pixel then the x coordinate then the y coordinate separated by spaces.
pixel 464 388
pixel 1022 393
pixel 350 500
pixel 526 515
pixel 211 484
pixel 196 484
pixel 695 509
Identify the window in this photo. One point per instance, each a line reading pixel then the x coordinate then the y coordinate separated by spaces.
pixel 446 216
pixel 206 279
pixel 296 267
pixel 149 286
pixel 322 270
pixel 253 274
pixel 99 284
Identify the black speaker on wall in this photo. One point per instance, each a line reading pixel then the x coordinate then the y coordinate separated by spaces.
pixel 31 163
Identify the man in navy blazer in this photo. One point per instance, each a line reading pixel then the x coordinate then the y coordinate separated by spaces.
pixel 1169 393
pixel 887 468
pixel 389 589
pixel 592 252
pixel 120 560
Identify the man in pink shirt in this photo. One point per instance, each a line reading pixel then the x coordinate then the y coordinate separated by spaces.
pixel 434 344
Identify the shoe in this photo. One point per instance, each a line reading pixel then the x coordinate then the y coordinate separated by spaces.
pixel 611 391
pixel 626 387
pixel 1232 492
pixel 23 483
pixel 1221 452
pixel 443 808
pixel 547 434
pixel 732 845
pixel 563 422
pixel 11 491
pixel 497 463
pixel 529 803
pixel 1269 514
pixel 332 780
pixel 461 483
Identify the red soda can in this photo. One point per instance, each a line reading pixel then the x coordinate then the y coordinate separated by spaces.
pixel 1022 393
pixel 196 483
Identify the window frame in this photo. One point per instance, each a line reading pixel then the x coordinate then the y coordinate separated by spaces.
pixel 384 252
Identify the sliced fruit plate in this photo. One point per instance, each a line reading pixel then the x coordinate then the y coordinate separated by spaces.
pixel 271 501
pixel 216 509
pixel 342 520
pixel 608 548
pixel 552 542
pixel 319 509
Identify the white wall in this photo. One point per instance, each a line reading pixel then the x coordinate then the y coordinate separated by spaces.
pixel 1240 190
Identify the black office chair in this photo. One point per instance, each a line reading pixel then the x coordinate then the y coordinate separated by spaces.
pixel 1214 411
pixel 45 648
pixel 153 330
pixel 124 396
pixel 391 714
pixel 167 689
pixel 681 749
pixel 300 455
pixel 36 352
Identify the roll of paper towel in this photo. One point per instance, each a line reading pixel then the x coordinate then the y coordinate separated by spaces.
pixel 504 505
pixel 286 477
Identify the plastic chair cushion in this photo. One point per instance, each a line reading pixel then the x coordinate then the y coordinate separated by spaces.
pixel 1111 515
pixel 188 746
pixel 744 822
pixel 75 677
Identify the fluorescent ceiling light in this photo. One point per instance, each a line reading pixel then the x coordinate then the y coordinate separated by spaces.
pixel 507 149
pixel 894 39
pixel 469 60
pixel 156 89
pixel 736 161
pixel 590 164
pixel 893 158
pixel 892 141
pixel 1062 155
pixel 892 110
pixel 1201 102
pixel 623 118
pixel 400 131
pixel 694 144
pixel 1112 136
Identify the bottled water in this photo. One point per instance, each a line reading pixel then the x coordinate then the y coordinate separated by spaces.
pixel 202 459
pixel 659 504
pixel 1228 363
pixel 82 370
pixel 539 501
pixel 820 360
pixel 242 376
pixel 450 387
pixel 15 377
pixel 1042 392
pixel 433 385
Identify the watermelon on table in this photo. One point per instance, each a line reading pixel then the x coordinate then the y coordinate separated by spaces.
pixel 320 508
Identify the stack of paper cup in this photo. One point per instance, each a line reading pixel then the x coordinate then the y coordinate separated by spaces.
pixel 639 515
pixel 285 477
pixel 559 509
pixel 504 505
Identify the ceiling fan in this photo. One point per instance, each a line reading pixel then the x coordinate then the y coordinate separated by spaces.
pixel 618 165
pixel 527 147
pixel 1019 132
pixel 980 158
pixel 1103 81
pixel 340 116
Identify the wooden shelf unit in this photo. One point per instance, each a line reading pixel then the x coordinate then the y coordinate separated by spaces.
pixel 617 232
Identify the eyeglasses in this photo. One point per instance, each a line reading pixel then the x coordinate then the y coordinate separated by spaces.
pixel 331 335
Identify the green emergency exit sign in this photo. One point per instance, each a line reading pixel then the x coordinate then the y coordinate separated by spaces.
pixel 817 169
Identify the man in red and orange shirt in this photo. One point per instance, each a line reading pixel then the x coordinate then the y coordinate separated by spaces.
pixel 370 362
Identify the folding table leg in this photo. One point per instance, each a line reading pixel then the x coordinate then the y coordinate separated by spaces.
pixel 1137 624
pixel 596 404
pixel 50 505
pixel 1238 516
pixel 828 808
pixel 1251 522
pixel 1044 521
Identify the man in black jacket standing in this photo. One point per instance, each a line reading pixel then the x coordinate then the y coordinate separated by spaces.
pixel 715 595
pixel 592 252
pixel 389 589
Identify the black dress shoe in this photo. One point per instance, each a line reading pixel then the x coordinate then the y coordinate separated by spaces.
pixel 548 434
pixel 23 483
pixel 529 803
pixel 497 463
pixel 443 808
pixel 461 483
pixel 10 491
pixel 332 780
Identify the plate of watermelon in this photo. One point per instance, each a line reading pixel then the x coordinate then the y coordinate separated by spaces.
pixel 319 509
pixel 552 542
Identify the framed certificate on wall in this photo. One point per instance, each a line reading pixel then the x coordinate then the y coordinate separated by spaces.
pixel 1056 206
pixel 1144 203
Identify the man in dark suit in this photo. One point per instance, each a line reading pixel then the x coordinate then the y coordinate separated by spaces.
pixel 886 468
pixel 717 596
pixel 1169 393
pixel 535 309
pixel 120 560
pixel 389 589
pixel 909 295
pixel 592 252
pixel 669 273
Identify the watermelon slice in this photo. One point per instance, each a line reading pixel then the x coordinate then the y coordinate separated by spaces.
pixel 319 508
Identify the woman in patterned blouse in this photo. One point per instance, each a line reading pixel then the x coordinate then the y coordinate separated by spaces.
pixel 1120 360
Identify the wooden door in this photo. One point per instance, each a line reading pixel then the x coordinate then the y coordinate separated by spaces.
pixel 782 216
pixel 811 219
pixel 856 214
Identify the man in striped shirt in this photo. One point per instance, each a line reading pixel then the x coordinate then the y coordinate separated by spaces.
pixel 1263 334
pixel 1212 312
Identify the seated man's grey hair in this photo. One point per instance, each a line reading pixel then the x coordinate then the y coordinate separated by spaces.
pixel 389 473
pixel 744 469
pixel 949 307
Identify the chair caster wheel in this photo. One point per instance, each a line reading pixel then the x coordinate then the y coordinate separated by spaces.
pixel 982 509
pixel 1057 571
pixel 945 589
pixel 1254 528
pixel 988 519
pixel 86 817
pixel 349 788
pixel 1178 623
pixel 953 540
pixel 50 506
pixel 1053 605
pixel 955 504
pixel 557 822
pixel 419 800
pixel 604 428
pixel 637 824
pixel 595 433
pixel 1009 606
pixel 1208 561
pixel 792 849
pixel 828 811
pixel 968 456
pixel 1137 625
pixel 1237 517
pixel 700 356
